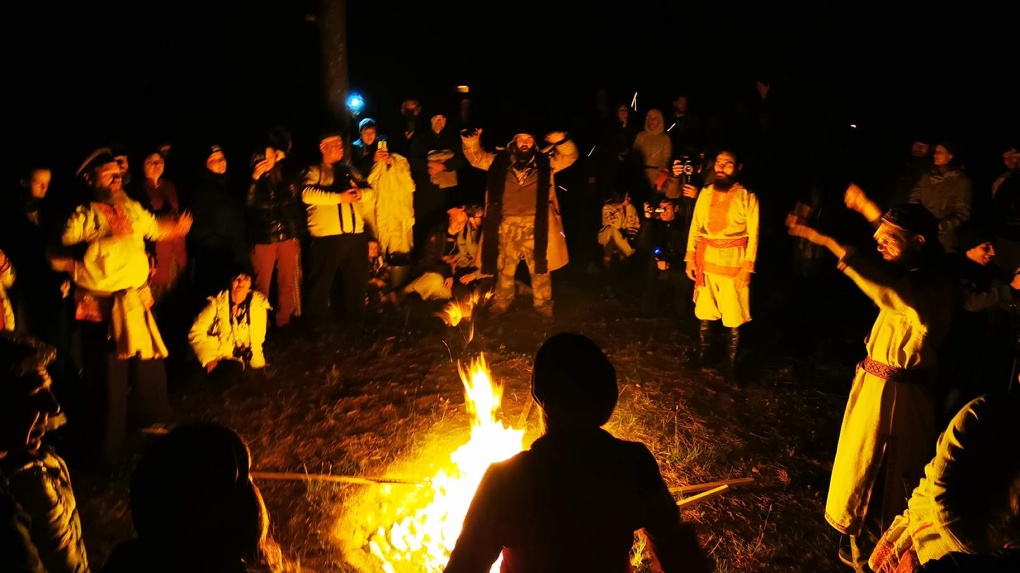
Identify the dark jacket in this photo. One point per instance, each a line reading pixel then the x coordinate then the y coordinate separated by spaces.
pixel 272 211
pixel 572 503
pixel 664 241
pixel 218 217
pixel 28 243
pixel 438 245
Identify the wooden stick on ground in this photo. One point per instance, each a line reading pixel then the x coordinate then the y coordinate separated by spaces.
pixel 686 489
pixel 522 420
pixel 702 496
pixel 284 476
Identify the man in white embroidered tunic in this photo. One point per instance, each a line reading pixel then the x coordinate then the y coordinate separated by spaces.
pixel 722 246
pixel 122 349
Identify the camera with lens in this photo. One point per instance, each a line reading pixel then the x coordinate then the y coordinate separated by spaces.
pixel 686 167
pixel 653 211
pixel 244 353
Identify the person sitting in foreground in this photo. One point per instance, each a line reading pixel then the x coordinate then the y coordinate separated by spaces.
pixel 196 509
pixel 965 513
pixel 40 531
pixel 573 501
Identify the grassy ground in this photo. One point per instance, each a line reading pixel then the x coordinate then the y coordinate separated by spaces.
pixel 363 405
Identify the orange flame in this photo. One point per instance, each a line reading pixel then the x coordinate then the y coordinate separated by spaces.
pixel 414 530
pixel 453 313
pixel 457 310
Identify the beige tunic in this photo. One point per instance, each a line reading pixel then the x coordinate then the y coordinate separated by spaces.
pixel 885 419
pixel 724 229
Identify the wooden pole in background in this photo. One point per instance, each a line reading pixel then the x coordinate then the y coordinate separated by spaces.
pixel 333 31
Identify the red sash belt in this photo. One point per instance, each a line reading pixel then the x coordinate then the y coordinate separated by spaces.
pixel 699 255
pixel 893 374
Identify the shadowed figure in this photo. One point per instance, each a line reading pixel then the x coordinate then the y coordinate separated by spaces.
pixel 195 508
pixel 40 531
pixel 573 501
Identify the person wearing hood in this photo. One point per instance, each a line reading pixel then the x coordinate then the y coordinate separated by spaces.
pixel 654 149
pixel 573 500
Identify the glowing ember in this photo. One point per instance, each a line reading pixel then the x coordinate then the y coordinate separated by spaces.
pixel 453 313
pixel 405 529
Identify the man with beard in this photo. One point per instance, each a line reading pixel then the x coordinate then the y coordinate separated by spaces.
pixel 722 245
pixel 522 219
pixel 889 429
pixel 40 530
pixel 123 350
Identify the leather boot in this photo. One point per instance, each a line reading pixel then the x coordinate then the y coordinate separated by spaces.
pixel 728 367
pixel 700 354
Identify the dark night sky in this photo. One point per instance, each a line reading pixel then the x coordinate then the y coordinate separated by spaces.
pixel 226 70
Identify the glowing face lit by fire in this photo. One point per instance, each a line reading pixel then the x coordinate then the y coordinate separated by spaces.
pixel 893 242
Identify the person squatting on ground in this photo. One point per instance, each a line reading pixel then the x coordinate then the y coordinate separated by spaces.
pixel 574 499
pixel 449 256
pixel 228 335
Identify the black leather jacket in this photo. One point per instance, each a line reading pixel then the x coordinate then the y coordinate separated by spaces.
pixel 272 211
pixel 668 238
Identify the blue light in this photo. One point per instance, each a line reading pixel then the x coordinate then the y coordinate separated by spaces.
pixel 355 103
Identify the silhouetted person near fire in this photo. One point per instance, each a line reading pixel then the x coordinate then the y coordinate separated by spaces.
pixel 196 509
pixel 573 501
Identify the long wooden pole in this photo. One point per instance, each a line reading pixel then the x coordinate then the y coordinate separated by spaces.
pixel 333 32
pixel 687 489
pixel 286 476
pixel 702 496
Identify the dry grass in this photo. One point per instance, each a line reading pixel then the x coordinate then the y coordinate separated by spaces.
pixel 362 406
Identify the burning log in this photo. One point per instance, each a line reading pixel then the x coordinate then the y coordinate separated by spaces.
pixel 285 476
pixel 687 489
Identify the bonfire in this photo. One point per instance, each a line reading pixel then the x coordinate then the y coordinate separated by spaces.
pixel 406 529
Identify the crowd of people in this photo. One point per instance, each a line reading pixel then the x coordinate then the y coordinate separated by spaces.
pixel 101 284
